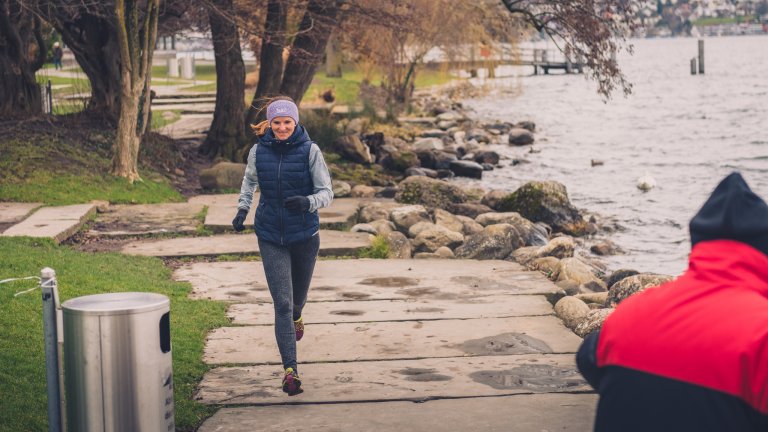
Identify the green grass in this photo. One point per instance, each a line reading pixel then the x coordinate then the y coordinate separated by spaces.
pixel 379 249
pixel 159 121
pixel 22 357
pixel 67 166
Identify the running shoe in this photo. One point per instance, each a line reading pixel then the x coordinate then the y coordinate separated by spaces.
pixel 299 326
pixel 291 382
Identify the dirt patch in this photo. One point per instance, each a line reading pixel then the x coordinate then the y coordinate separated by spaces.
pixel 432 292
pixel 347 312
pixel 503 344
pixel 355 295
pixel 532 377
pixel 390 282
pixel 324 288
pixel 423 375
pixel 425 310
pixel 481 283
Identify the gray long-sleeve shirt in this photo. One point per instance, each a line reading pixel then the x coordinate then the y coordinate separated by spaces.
pixel 322 194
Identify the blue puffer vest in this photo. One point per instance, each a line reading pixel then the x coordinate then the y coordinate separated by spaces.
pixel 282 168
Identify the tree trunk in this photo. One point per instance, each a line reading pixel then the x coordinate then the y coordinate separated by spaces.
pixel 270 60
pixel 333 56
pixel 22 53
pixel 307 51
pixel 94 43
pixel 227 131
pixel 136 35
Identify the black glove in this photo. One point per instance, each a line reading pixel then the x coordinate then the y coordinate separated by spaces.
pixel 237 222
pixel 296 204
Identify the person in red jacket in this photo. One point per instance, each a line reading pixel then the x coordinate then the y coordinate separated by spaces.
pixel 692 354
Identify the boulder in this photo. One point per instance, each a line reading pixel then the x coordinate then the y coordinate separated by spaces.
pixel 427 158
pixel 341 189
pixel 431 239
pixel 592 322
pixel 568 286
pixel 598 298
pixel 493 242
pixel 366 228
pixel 386 192
pixel 446 124
pixel 605 247
pixel 575 270
pixel 634 284
pixel 418 227
pixel 619 275
pixel 559 247
pixel 525 255
pixel 487 157
pixel 443 159
pixel 545 201
pixel 478 135
pixel 448 220
pixel 571 310
pixel 395 160
pixel 472 210
pixel 520 136
pixel 363 191
pixel 383 226
pixel 427 145
pixel 351 148
pixel 445 252
pixel 450 116
pixel 532 234
pixel 430 193
pixel 424 172
pixel 468 225
pixel 376 210
pixel 527 125
pixel 547 265
pixel 223 175
pixel 493 198
pixel 406 216
pixel 399 245
pixel 464 168
pixel 434 133
pixel 357 126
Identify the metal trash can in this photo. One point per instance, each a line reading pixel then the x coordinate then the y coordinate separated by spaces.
pixel 118 374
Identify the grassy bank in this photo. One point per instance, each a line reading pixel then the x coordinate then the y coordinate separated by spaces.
pixel 67 163
pixel 22 359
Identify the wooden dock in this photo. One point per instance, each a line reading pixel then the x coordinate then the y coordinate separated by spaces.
pixel 474 58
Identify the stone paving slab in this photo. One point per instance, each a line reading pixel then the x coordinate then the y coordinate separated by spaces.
pixel 11 213
pixel 333 243
pixel 121 220
pixel 518 413
pixel 397 310
pixel 397 380
pixel 58 223
pixel 188 124
pixel 372 280
pixel 396 340
pixel 197 108
pixel 222 209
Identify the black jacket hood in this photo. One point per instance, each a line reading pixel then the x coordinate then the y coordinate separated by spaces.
pixel 732 212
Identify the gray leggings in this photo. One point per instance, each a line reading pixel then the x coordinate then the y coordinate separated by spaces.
pixel 288 270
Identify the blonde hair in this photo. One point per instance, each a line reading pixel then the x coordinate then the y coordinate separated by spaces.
pixel 260 128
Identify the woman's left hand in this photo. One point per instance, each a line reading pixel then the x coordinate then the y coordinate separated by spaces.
pixel 296 204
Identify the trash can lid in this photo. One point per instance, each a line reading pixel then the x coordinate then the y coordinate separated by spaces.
pixel 116 303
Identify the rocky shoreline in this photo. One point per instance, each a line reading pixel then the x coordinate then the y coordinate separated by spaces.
pixel 432 217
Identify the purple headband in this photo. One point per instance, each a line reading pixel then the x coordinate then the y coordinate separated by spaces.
pixel 282 108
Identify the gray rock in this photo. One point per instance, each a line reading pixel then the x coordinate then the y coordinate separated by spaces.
pixel 406 216
pixel 520 136
pixel 487 167
pixel 223 175
pixel 546 202
pixel 399 245
pixel 383 226
pixel 431 239
pixel 434 133
pixel 427 144
pixel 532 235
pixel 376 210
pixel 350 147
pixel 463 168
pixel 450 116
pixel 487 157
pixel 472 210
pixel 446 124
pixel 594 286
pixel 386 192
pixel 396 160
pixel 366 228
pixel 494 242
pixel 478 135
pixel 341 189
pixel 527 125
pixel 418 227
pixel 430 193
pixel 525 255
pixel 468 225
pixel 445 252
pixel 443 159
pixel 363 191
pixel 493 198
pixel 459 136
pixel 633 285
pixel 592 322
pixel 598 298
pixel 357 126
pixel 547 265
pixel 424 172
pixel 575 270
pixel 559 247
pixel 570 287
pixel 619 275
pixel 605 247
pixel 448 220
pixel 571 310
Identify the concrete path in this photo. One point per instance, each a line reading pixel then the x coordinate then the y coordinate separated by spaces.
pixel 142 219
pixel 475 341
pixel 187 125
pixel 58 223
pixel 11 213
pixel 334 243
pixel 222 208
pixel 521 413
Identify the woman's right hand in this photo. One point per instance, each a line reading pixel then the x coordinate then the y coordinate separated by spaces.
pixel 239 220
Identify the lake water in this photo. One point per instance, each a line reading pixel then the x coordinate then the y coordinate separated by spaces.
pixel 687 132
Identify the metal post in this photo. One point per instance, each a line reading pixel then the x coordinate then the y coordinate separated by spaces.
pixel 50 97
pixel 54 336
pixel 693 66
pixel 701 56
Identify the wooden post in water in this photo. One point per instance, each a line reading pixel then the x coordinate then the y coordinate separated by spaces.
pixel 701 56
pixel 693 66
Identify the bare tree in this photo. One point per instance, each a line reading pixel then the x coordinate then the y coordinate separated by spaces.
pixel 22 53
pixel 590 29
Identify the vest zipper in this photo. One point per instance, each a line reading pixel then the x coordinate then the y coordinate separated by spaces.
pixel 280 199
